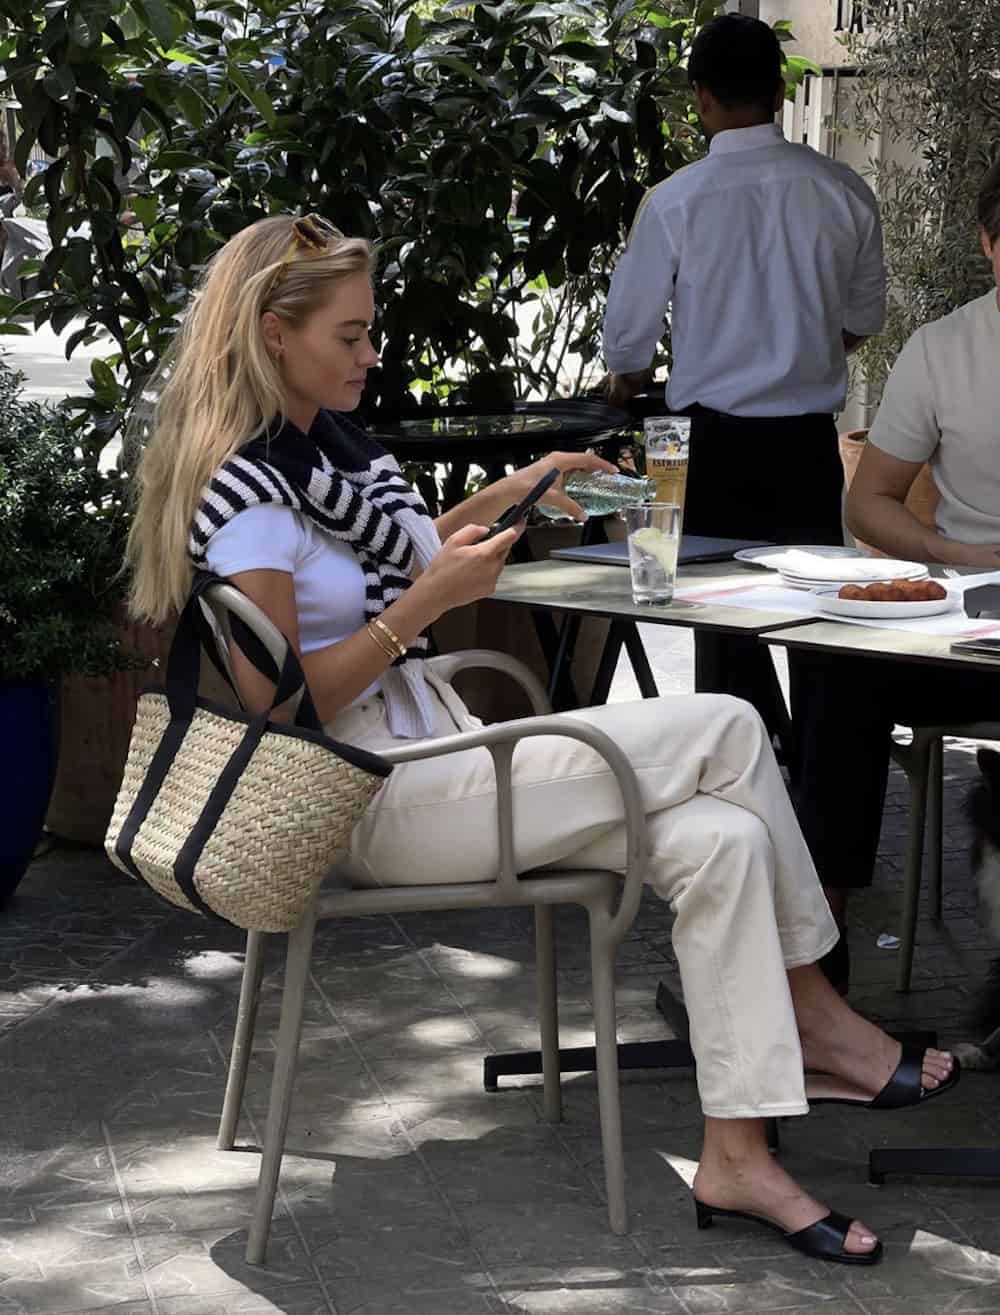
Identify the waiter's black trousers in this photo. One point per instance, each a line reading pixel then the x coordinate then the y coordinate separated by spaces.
pixel 843 708
pixel 777 479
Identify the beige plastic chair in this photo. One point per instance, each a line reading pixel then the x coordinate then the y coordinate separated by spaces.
pixel 923 762
pixel 610 901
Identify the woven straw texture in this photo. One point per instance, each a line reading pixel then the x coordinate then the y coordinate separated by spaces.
pixel 288 819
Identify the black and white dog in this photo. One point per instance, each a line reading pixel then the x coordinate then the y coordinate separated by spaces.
pixel 983 811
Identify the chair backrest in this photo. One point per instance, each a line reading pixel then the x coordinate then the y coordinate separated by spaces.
pixel 220 603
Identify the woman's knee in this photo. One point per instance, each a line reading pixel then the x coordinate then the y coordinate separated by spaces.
pixel 742 833
pixel 722 844
pixel 735 717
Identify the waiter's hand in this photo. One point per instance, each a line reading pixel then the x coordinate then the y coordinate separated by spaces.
pixel 619 389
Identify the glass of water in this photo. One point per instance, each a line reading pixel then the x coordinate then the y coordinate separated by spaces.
pixel 654 535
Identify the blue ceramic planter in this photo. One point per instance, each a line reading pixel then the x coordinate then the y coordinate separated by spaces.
pixel 29 750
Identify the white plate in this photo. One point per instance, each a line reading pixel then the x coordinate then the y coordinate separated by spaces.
pixel 813 571
pixel 834 606
pixel 809 582
pixel 821 550
pixel 894 571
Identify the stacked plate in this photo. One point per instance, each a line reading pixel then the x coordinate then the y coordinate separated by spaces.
pixel 822 567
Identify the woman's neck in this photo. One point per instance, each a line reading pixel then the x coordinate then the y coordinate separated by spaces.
pixel 301 413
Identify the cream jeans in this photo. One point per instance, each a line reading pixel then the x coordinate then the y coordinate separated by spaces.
pixel 725 851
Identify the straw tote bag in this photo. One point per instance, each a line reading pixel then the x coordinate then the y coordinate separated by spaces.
pixel 228 815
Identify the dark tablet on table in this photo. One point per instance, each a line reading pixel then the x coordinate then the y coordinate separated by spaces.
pixel 694 548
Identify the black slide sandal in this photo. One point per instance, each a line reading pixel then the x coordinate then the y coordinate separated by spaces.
pixel 823 1240
pixel 902 1091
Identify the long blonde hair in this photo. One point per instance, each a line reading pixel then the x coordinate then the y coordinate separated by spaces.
pixel 217 388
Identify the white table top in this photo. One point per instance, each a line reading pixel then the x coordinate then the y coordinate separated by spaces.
pixel 866 641
pixel 578 587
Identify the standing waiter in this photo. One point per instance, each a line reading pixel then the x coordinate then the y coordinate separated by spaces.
pixel 769 257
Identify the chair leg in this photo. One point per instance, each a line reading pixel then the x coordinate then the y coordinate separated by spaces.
pixel 917 765
pixel 239 1059
pixel 548 1010
pixel 292 1004
pixel 935 829
pixel 602 967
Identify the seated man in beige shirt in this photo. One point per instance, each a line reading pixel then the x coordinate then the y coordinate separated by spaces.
pixel 941 405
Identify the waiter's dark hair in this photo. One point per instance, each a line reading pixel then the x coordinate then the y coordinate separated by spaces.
pixel 988 204
pixel 739 60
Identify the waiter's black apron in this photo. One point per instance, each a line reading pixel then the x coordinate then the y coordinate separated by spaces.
pixel 775 478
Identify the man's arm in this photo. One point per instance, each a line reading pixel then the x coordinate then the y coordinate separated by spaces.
pixel 864 313
pixel 905 434
pixel 642 288
pixel 619 389
pixel 877 514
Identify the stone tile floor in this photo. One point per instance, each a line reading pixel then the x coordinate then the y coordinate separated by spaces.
pixel 408 1188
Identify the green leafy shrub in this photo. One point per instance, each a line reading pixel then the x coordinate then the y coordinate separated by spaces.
pixel 498 151
pixel 60 546
pixel 930 90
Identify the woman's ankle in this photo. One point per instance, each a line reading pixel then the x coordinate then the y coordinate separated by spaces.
pixel 730 1144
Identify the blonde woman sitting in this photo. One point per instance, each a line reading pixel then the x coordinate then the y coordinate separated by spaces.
pixel 255 471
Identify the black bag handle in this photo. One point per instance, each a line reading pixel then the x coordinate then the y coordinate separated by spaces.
pixel 184 663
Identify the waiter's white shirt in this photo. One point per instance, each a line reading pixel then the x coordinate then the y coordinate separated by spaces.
pixel 765 252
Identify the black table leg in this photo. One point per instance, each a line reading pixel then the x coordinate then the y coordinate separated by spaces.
pixel 560 659
pixel 455 485
pixel 622 634
pixel 562 693
pixel 675 1052
pixel 561 664
pixel 952 1162
pixel 428 489
pixel 741 665
pixel 640 662
pixel 607 666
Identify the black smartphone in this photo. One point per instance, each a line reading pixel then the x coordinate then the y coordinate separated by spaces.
pixel 985 647
pixel 518 512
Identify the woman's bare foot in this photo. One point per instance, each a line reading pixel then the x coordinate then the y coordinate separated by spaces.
pixel 838 1042
pixel 738 1173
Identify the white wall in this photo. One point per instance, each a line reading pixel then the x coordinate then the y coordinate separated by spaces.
pixel 813 23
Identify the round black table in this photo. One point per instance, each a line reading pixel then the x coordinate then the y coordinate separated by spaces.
pixel 460 436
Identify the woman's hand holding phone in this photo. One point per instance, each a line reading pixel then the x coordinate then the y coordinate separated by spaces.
pixel 467 567
pixel 515 515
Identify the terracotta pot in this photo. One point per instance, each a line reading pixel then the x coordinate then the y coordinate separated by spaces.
pixel 97 717
pixel 922 499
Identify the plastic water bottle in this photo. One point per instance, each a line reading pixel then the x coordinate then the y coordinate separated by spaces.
pixel 600 493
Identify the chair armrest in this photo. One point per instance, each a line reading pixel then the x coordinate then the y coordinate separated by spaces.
pixel 448 665
pixel 501 740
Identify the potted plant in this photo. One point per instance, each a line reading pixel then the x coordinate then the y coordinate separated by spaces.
pixel 62 526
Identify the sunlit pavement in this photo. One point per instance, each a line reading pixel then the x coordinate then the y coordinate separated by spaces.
pixel 407 1187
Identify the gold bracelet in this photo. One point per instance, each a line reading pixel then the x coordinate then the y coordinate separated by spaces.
pixel 390 635
pixel 373 634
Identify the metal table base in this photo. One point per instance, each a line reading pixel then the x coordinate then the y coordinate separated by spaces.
pixel 949 1162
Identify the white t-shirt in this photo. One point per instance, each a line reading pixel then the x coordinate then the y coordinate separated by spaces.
pixel 328 579
pixel 765 252
pixel 942 404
